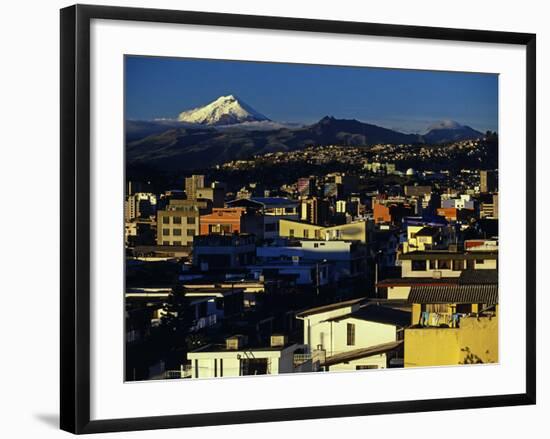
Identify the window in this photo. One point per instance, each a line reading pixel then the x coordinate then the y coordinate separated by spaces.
pixel 196 368
pixel 219 228
pixel 458 265
pixel 165 242
pixel 254 366
pixel 190 232
pixel 438 308
pixel 432 264
pixel 177 243
pixel 215 367
pixel 418 265
pixel 165 220
pixel 191 220
pixel 480 261
pixel 176 232
pixel 316 245
pixel 165 232
pixel 221 367
pixel 306 233
pixel 176 219
pixel 366 366
pixel 291 232
pixel 444 264
pixel 350 334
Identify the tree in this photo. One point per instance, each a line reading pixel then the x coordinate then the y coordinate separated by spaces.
pixel 177 318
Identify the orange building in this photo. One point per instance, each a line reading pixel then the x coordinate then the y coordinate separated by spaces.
pixel 381 213
pixel 450 213
pixel 224 220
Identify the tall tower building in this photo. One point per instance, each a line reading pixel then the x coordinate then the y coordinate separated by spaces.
pixel 487 181
pixel 192 184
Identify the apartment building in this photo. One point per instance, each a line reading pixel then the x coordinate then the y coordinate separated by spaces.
pixel 179 222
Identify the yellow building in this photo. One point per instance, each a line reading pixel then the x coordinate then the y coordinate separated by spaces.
pixel 452 324
pixel 356 231
pixel 420 238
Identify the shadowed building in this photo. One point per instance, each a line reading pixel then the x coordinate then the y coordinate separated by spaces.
pixel 487 181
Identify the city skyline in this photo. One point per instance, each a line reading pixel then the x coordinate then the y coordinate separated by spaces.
pixel 403 100
pixel 253 249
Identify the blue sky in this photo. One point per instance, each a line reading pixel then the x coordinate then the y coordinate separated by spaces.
pixel 406 100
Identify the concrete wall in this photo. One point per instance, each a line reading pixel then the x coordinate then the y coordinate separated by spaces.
pixel 473 342
pixel 353 231
pixel 479 340
pixel 279 361
pixel 312 322
pixel 399 292
pixel 333 335
pixel 378 361
pixel 184 238
pixel 431 347
pixel 407 271
pixel 487 264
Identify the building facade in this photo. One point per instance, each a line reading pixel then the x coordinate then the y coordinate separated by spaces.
pixel 355 231
pixel 179 223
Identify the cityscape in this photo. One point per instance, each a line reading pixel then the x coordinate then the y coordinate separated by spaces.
pixel 288 218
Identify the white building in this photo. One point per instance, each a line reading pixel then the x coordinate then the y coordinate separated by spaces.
pixel 316 274
pixel 346 257
pixel 352 336
pixel 235 358
pixel 465 201
pixel 140 204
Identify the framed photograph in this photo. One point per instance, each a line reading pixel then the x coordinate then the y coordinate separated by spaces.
pixel 268 219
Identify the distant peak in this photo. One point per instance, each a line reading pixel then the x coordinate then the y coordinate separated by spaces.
pixel 227 98
pixel 445 124
pixel 225 110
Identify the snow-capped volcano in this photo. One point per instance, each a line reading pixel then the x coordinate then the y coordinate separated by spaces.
pixel 226 110
pixel 445 125
pixel 446 131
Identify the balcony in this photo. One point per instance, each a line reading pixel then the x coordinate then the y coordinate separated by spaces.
pixel 439 319
pixel 204 322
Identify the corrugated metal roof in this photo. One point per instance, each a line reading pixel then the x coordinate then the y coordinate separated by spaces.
pixel 479 277
pixel 454 294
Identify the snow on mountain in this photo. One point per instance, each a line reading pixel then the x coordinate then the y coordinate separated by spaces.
pixel 226 110
pixel 450 131
pixel 445 125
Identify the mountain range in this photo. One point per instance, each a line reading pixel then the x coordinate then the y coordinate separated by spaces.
pixel 229 129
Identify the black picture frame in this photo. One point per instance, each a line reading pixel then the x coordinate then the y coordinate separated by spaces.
pixel 75 217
